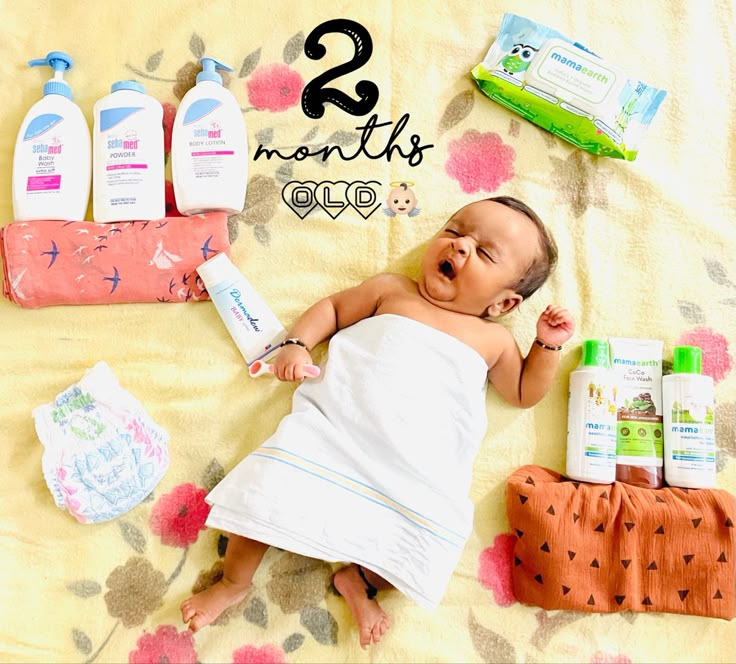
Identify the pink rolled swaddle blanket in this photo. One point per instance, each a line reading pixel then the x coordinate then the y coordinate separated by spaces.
pixel 79 262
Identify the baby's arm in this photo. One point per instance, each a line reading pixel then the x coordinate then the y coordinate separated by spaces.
pixel 524 381
pixel 326 317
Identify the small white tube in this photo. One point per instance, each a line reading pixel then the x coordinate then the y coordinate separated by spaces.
pixel 253 326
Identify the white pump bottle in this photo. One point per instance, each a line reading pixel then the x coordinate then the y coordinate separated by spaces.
pixel 52 164
pixel 209 147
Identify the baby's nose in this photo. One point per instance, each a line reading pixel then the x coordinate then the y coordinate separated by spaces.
pixel 461 245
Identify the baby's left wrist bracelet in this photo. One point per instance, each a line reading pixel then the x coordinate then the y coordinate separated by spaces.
pixel 295 341
pixel 541 344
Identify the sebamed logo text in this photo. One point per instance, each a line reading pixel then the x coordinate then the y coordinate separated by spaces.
pixel 636 363
pixel 122 144
pixel 574 64
pixel 48 148
pixel 208 133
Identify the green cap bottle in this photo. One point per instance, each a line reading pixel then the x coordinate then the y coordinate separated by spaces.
pixel 686 359
pixel 595 353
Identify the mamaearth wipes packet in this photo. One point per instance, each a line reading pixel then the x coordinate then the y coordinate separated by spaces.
pixel 566 89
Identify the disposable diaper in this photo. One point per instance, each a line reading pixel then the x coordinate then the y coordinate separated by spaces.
pixel 103 453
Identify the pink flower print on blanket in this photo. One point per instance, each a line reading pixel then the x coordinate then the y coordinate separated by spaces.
pixel 601 657
pixel 275 88
pixel 178 516
pixel 480 162
pixel 717 362
pixel 495 569
pixel 166 645
pixel 268 654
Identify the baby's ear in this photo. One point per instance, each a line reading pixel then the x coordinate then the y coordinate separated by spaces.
pixel 504 306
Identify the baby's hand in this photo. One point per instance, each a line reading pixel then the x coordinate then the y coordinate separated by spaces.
pixel 555 326
pixel 289 363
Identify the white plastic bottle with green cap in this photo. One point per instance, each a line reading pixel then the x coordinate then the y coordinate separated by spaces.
pixel 209 147
pixel 128 140
pixel 591 419
pixel 689 426
pixel 52 164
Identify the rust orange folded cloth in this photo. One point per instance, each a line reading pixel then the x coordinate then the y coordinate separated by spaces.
pixel 617 547
pixel 79 262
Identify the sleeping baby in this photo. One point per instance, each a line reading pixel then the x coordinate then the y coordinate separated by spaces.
pixel 373 465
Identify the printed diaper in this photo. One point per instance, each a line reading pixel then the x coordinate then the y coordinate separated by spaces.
pixel 103 453
pixel 568 90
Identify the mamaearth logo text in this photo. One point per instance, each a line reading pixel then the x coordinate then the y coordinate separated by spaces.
pixel 636 363
pixel 573 64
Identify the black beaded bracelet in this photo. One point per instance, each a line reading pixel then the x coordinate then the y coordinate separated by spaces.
pixel 293 340
pixel 541 343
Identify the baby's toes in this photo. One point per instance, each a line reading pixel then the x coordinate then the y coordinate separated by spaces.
pixel 365 637
pixel 187 611
pixel 197 622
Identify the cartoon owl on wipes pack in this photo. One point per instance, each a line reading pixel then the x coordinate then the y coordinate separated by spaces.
pixel 518 58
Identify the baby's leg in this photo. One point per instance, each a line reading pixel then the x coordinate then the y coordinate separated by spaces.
pixel 242 558
pixel 358 585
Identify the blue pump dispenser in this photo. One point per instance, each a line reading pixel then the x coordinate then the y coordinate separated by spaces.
pixel 208 73
pixel 59 62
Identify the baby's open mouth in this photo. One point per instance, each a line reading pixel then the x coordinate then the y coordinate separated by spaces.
pixel 447 269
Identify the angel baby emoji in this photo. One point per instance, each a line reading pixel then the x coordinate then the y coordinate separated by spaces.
pixel 401 200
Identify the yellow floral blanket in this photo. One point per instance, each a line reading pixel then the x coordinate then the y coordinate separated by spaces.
pixel 646 250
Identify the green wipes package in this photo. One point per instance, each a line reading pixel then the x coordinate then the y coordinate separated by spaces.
pixel 566 89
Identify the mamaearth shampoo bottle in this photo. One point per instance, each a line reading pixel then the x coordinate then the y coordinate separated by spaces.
pixel 689 426
pixel 591 417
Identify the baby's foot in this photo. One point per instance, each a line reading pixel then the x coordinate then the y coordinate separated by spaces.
pixel 201 609
pixel 372 621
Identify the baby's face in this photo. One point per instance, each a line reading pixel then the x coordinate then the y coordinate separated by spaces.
pixel 401 201
pixel 474 262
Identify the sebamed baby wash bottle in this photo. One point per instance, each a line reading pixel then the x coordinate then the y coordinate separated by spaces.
pixel 128 140
pixel 689 427
pixel 52 164
pixel 209 147
pixel 591 417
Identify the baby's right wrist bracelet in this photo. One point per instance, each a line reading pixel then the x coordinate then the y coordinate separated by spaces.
pixel 541 343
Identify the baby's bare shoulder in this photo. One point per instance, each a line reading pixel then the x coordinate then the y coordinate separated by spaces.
pixel 492 339
pixel 391 282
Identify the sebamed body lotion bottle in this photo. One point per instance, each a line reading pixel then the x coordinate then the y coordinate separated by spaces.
pixel 209 147
pixel 591 417
pixel 128 141
pixel 52 164
pixel 689 427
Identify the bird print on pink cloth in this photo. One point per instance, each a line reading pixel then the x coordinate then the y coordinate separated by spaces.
pixel 163 259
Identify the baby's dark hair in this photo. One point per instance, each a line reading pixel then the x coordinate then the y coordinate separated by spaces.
pixel 546 259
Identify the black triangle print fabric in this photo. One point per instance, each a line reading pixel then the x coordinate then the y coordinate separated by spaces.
pixel 618 547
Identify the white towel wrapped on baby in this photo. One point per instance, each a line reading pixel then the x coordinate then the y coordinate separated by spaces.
pixel 374 463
